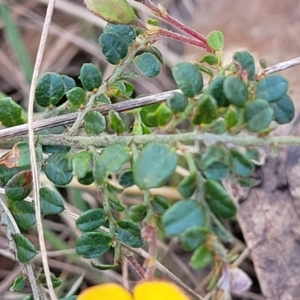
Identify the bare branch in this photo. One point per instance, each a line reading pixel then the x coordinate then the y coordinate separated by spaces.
pixel 283 65
pixel 31 140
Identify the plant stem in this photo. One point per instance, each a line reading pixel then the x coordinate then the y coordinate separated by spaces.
pixel 31 140
pixel 105 140
pixel 161 12
pixel 181 38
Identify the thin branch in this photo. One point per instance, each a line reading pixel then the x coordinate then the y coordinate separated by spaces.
pixel 105 140
pixel 31 139
pixel 283 65
pixel 70 118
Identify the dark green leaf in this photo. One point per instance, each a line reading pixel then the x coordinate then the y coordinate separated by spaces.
pixel 94 123
pixel 215 40
pixel 19 284
pixel 58 168
pixel 51 202
pixel 56 281
pixel 113 47
pixel 177 102
pixel 50 89
pixel 115 203
pixel 69 82
pixel 126 178
pixel 147 64
pixel 81 162
pixel 284 110
pixel 206 111
pixel 159 204
pixel 271 88
pixel 236 91
pixel 109 161
pixel 103 98
pixel 211 59
pixel 118 12
pixel 154 166
pixel 93 244
pixel 7 173
pixel 244 61
pixel 130 234
pixel 219 200
pixel 91 219
pixel 55 149
pixel 124 31
pixel 23 212
pixel 231 117
pixel 76 97
pixel 25 249
pixel 90 77
pixel 181 216
pixel 217 170
pixel 11 113
pixel 103 267
pixel 201 257
pixel 258 115
pixel 216 90
pixel 145 111
pixel 188 185
pixel 19 186
pixel 188 78
pixel 240 164
pixel 193 237
pixel 138 212
pixel 87 179
pixel 115 122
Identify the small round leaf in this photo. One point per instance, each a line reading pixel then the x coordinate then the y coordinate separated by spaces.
pixel 193 237
pixel 188 78
pixel 236 91
pixel 219 200
pixel 244 61
pixel 90 77
pixel 284 110
pixel 76 97
pixel 94 123
pixel 201 257
pixel 154 166
pixel 91 219
pixel 258 115
pixel 59 168
pixel 130 234
pixel 25 249
pixel 50 89
pixel 23 212
pixel 215 40
pixel 147 64
pixel 240 164
pixel 93 244
pixel 271 88
pixel 51 202
pixel 181 216
pixel 112 11
pixel 113 47
pixel 177 102
pixel 125 31
pixel 19 186
pixel 11 114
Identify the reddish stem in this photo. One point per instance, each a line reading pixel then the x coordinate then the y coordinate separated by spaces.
pixel 164 15
pixel 173 35
pixel 184 39
pixel 138 268
pixel 149 235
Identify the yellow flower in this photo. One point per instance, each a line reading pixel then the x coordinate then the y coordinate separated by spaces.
pixel 145 290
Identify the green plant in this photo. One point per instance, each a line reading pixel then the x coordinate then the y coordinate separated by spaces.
pixel 236 101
